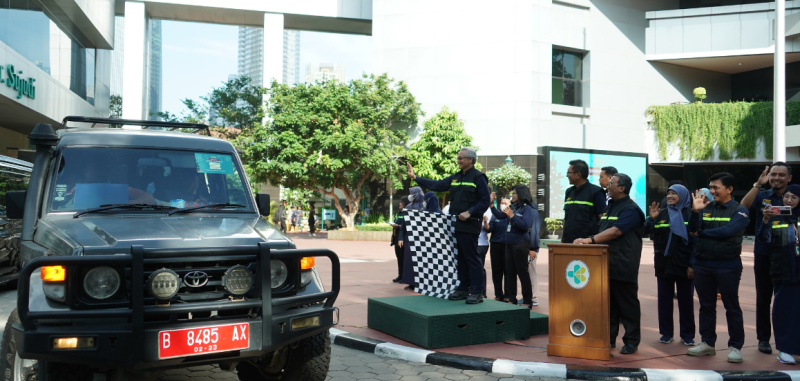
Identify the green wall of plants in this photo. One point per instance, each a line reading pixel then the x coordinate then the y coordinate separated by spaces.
pixel 734 128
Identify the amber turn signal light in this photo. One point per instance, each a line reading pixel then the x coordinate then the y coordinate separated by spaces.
pixel 54 273
pixel 306 263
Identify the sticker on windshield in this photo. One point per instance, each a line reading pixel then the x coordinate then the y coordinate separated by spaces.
pixel 214 163
pixel 61 192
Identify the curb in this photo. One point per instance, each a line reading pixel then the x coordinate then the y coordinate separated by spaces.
pixel 541 369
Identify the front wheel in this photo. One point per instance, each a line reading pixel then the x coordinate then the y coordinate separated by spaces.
pixel 15 368
pixel 306 360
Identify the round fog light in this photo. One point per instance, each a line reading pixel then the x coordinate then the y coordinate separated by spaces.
pixel 278 272
pixel 238 280
pixel 101 282
pixel 163 284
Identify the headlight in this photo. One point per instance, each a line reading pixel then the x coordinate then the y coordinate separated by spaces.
pixel 101 282
pixel 278 272
pixel 163 284
pixel 238 280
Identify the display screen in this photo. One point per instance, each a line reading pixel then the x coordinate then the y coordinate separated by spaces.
pixel 633 166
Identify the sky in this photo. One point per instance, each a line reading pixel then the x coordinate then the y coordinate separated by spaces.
pixel 198 57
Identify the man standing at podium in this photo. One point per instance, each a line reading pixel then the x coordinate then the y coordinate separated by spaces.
pixel 622 228
pixel 717 264
pixel 583 203
pixel 469 191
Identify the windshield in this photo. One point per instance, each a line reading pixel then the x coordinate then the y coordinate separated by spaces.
pixel 91 177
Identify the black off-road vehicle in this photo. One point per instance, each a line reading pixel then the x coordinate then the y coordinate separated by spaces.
pixel 144 250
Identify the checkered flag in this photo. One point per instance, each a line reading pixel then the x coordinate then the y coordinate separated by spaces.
pixel 433 245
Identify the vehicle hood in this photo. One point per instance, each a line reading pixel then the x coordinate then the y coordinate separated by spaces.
pixel 109 234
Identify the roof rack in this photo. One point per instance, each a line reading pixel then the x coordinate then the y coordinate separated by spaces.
pixel 145 124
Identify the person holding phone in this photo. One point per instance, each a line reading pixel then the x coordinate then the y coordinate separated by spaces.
pixel 778 232
pixel 520 218
pixel 778 176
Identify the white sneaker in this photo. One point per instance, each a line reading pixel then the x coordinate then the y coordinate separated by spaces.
pixel 702 349
pixel 734 355
pixel 534 303
pixel 786 358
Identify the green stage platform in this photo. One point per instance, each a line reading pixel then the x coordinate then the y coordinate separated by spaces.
pixel 540 324
pixel 437 323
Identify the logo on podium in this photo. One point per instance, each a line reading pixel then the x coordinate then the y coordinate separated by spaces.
pixel 577 274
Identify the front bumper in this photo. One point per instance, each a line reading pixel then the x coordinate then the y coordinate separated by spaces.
pixel 126 341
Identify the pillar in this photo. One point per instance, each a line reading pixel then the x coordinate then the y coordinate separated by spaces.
pixel 779 98
pixel 133 67
pixel 273 48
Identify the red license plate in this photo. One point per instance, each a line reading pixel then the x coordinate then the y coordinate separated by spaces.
pixel 203 340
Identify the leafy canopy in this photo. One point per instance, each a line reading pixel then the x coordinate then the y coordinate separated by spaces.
pixel 433 156
pixel 331 135
pixel 507 177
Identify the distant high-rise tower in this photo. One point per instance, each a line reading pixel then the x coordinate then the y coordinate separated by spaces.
pixel 155 78
pixel 325 72
pixel 251 55
pixel 291 57
pixel 117 55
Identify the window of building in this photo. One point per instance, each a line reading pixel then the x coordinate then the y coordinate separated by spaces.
pixel 25 28
pixel 567 77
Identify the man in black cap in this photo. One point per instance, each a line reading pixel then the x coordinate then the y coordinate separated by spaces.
pixel 469 190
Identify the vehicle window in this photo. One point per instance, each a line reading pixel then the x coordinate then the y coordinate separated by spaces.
pixel 91 177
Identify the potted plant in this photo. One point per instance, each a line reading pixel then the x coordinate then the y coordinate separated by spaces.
pixel 553 224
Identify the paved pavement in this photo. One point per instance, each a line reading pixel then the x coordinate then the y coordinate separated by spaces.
pixel 368 267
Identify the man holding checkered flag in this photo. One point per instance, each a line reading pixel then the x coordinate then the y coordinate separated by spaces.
pixel 469 190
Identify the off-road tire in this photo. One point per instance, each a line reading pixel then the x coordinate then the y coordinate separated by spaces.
pixel 308 361
pixel 45 371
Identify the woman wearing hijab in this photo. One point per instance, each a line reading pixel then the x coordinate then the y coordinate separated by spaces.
pixel 432 203
pixel 780 233
pixel 416 202
pixel 673 248
pixel 520 220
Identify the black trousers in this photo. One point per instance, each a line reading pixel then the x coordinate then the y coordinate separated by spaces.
pixel 707 280
pixel 311 227
pixel 471 276
pixel 517 267
pixel 666 325
pixel 282 225
pixel 482 251
pixel 764 290
pixel 625 309
pixel 497 254
pixel 398 252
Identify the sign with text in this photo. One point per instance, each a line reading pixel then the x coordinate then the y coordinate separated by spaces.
pixel 14 80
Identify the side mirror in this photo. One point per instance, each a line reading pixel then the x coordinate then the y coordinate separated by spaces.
pixel 262 201
pixel 15 204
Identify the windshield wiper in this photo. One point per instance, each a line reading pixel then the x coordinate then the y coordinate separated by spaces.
pixel 206 206
pixel 123 206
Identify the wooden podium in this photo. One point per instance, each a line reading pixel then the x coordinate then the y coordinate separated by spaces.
pixel 579 301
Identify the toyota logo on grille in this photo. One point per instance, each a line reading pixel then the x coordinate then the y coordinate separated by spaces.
pixel 195 279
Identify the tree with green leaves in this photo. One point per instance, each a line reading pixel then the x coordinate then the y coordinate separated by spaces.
pixel 507 177
pixel 115 107
pixel 197 113
pixel 238 103
pixel 434 154
pixel 331 136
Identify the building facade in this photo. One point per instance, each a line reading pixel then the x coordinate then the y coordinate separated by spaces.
pixel 52 66
pixel 582 74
